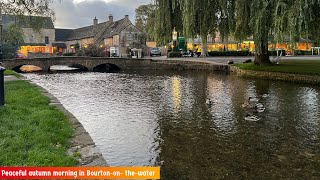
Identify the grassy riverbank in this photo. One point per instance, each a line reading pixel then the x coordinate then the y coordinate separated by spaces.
pixel 32 132
pixel 11 72
pixel 303 67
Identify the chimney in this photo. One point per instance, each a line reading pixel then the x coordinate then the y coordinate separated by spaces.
pixel 95 21
pixel 126 16
pixel 110 18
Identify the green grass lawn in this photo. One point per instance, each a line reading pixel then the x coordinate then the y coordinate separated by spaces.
pixel 32 132
pixel 305 67
pixel 8 72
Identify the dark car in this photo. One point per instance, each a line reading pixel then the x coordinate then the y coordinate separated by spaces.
pixel 155 52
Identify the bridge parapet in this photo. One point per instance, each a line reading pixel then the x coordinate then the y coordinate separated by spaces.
pixel 122 63
pixel 89 62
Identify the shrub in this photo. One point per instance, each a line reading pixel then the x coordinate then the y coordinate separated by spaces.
pixel 302 52
pixel 8 51
pixel 229 53
pixel 174 54
pixel 69 54
pixel 92 51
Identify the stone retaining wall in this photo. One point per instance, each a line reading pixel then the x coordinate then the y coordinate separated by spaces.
pixel 275 76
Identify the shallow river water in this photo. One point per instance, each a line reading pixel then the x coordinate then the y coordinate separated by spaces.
pixel 160 118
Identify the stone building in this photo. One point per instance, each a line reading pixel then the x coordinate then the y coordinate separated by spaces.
pixel 117 37
pixel 35 39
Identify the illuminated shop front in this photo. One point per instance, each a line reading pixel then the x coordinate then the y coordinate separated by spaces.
pixel 35 49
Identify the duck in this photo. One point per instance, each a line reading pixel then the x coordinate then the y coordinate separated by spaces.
pixel 259 105
pixel 251 118
pixel 245 105
pixel 259 110
pixel 208 102
pixel 253 99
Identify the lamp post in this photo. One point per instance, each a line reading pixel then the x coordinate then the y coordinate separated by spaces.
pixel 174 39
pixel 2 69
pixel 0 33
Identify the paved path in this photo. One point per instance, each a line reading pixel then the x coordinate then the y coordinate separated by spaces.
pixel 10 78
pixel 224 60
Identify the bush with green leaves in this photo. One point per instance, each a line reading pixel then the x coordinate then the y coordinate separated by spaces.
pixel 9 51
pixel 229 53
pixel 302 52
pixel 174 54
pixel 91 50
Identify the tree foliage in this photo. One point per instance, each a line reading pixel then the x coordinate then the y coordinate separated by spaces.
pixel 12 39
pixel 26 7
pixel 145 19
pixel 167 17
pixel 199 17
pixel 275 18
pixel 265 20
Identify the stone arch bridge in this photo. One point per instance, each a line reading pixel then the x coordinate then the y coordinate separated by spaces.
pixel 122 63
pixel 88 62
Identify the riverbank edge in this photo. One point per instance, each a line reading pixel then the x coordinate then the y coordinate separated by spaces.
pixel 268 75
pixel 82 147
pixel 81 144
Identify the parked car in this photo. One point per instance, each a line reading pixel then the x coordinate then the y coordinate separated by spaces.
pixel 155 51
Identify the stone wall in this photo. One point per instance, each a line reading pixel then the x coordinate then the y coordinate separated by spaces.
pixel 31 36
pixel 275 76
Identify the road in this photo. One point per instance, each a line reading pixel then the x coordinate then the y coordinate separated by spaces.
pixel 224 60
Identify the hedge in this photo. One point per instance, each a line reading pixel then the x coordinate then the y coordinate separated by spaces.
pixel 174 54
pixel 229 53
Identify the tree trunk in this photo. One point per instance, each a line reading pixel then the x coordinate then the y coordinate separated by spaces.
pixel 262 52
pixel 204 48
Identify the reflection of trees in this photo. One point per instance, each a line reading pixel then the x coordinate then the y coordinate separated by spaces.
pixel 191 145
pixel 183 137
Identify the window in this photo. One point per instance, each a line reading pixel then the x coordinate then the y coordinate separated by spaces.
pixel 46 40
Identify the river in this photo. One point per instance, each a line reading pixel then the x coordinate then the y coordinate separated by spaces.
pixel 160 118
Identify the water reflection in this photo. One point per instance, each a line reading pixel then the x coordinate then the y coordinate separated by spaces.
pixel 176 93
pixel 161 118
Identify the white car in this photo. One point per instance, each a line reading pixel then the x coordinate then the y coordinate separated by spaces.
pixel 155 51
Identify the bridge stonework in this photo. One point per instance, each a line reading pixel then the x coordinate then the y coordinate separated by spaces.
pixel 123 63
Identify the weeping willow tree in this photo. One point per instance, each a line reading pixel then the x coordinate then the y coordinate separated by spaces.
pixel 194 18
pixel 277 18
pixel 167 17
pixel 226 19
pixel 199 17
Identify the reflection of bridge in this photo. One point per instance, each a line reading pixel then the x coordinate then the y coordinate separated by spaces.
pixel 123 63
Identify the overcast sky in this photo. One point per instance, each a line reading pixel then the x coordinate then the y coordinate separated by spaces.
pixel 80 13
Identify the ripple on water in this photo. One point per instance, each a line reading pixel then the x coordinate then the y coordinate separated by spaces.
pixel 161 118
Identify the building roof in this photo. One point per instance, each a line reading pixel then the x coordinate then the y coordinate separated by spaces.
pixel 86 32
pixel 62 34
pixel 27 21
pixel 104 30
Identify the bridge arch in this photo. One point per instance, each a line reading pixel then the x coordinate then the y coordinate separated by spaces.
pixel 80 67
pixel 27 68
pixel 106 68
pixel 17 68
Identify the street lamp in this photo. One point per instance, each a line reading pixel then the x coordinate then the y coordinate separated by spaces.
pixel 174 38
pixel 2 69
pixel 0 34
